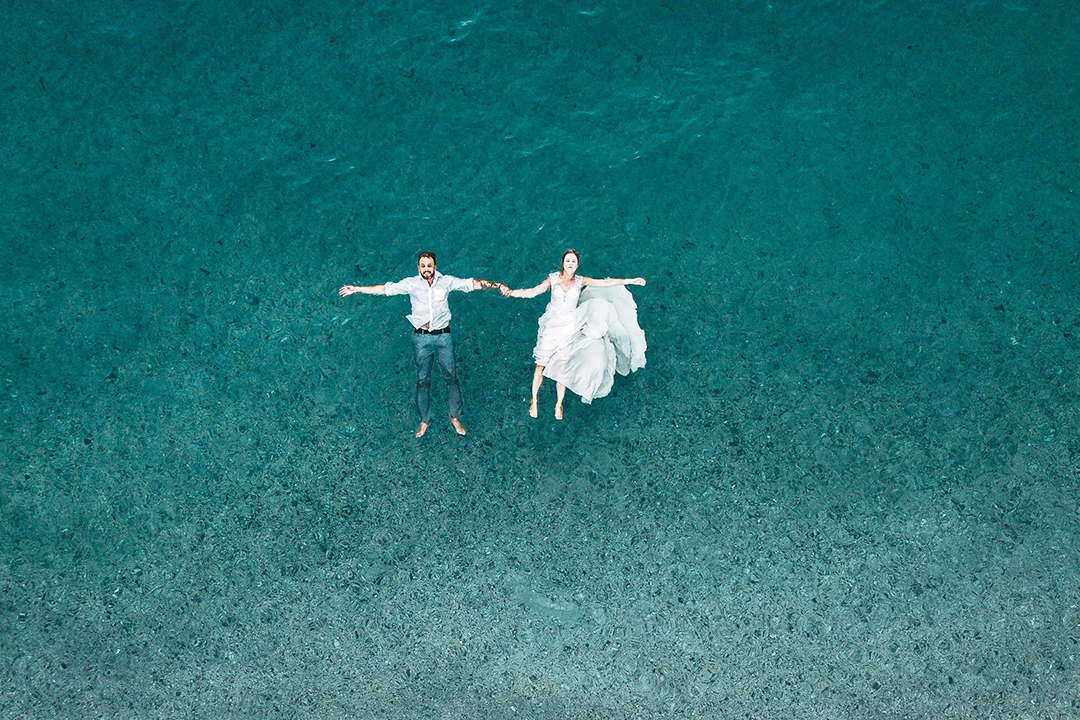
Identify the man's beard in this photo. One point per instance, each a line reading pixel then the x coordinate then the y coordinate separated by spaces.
pixel 427 274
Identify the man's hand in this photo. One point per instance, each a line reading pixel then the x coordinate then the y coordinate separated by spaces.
pixel 479 284
pixel 347 290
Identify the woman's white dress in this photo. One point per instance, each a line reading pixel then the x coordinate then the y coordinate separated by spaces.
pixel 587 335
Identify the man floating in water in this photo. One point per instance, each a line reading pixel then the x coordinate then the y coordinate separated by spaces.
pixel 429 291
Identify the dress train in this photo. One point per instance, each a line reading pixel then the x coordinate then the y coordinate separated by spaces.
pixel 606 340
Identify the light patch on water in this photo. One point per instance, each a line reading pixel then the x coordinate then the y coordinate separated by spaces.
pixel 540 603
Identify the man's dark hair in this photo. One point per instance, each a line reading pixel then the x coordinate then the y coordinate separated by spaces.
pixel 428 254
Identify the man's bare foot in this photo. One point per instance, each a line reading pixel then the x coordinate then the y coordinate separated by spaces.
pixel 558 412
pixel 457 426
pixel 532 408
pixel 421 430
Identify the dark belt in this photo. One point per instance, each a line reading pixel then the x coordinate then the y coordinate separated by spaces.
pixel 425 331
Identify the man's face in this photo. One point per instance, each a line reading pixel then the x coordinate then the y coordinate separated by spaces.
pixel 426 266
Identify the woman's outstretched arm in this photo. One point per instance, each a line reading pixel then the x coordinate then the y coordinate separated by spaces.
pixel 531 292
pixel 610 282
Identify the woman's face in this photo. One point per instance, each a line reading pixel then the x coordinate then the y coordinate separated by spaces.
pixel 570 263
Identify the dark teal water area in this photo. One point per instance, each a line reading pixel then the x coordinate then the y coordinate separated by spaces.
pixel 844 486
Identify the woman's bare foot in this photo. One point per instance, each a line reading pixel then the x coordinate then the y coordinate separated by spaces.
pixel 421 430
pixel 558 412
pixel 532 408
pixel 458 427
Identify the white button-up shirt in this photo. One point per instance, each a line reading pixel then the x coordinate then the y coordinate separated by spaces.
pixel 429 302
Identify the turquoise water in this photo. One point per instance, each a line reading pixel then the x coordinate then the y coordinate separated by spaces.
pixel 844 486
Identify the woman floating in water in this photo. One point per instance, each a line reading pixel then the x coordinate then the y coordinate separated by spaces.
pixel 588 332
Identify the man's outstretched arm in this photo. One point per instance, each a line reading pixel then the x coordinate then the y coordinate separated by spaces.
pixel 478 284
pixel 347 290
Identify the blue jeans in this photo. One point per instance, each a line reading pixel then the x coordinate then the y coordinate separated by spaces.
pixel 430 349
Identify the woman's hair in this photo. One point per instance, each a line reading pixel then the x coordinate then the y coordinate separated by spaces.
pixel 572 251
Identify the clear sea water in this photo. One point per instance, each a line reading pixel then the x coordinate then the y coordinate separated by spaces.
pixel 844 486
